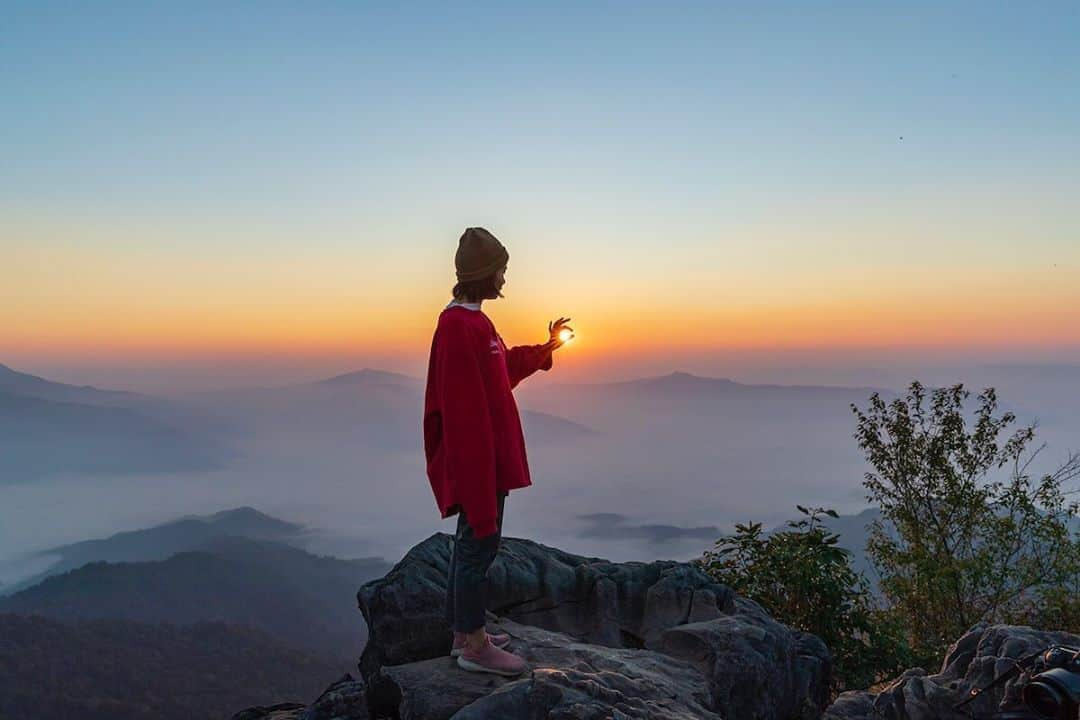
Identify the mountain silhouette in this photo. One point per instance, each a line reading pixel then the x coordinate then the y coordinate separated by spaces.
pixel 25 384
pixel 368 407
pixel 162 541
pixel 49 428
pixel 305 600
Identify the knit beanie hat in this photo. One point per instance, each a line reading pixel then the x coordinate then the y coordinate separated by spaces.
pixel 479 255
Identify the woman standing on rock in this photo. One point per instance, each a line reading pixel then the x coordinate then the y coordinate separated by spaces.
pixel 473 440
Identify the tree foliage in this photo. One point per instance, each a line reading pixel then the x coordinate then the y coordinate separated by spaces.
pixel 966 534
pixel 805 580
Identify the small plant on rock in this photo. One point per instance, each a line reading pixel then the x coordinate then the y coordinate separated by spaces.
pixel 804 579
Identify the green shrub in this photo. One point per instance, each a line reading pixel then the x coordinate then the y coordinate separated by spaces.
pixel 966 534
pixel 805 580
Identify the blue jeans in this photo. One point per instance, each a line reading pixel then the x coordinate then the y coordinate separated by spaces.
pixel 466 578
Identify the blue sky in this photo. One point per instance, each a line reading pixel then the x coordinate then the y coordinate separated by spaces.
pixel 190 107
pixel 798 145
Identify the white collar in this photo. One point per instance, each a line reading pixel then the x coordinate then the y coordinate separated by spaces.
pixel 466 305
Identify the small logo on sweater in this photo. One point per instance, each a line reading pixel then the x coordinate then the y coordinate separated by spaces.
pixel 496 348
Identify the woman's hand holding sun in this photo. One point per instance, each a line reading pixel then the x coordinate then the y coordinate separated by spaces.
pixel 560 333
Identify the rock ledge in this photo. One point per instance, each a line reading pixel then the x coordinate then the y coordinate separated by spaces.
pixel 654 641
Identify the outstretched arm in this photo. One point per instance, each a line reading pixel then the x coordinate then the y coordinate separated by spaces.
pixel 523 360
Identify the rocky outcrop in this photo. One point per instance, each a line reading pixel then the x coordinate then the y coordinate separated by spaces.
pixel 592 600
pixel 755 667
pixel 972 662
pixel 628 640
pixel 603 640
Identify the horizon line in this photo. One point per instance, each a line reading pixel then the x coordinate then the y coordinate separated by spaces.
pixel 343 378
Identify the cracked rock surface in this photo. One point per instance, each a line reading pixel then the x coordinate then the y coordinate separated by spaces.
pixel 566 679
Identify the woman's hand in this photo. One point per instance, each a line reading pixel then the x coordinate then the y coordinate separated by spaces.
pixel 560 333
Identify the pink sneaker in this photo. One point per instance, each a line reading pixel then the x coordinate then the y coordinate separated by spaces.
pixel 499 640
pixel 491 659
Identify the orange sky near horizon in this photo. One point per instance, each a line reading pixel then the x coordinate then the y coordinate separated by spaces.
pixel 145 289
pixel 912 308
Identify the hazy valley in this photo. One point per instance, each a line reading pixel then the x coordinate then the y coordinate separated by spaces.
pixel 641 469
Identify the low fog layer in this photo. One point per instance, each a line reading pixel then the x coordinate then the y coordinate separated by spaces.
pixel 650 468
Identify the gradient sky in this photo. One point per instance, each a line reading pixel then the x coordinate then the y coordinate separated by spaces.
pixel 206 184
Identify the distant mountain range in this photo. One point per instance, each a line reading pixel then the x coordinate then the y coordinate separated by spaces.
pixel 304 600
pixel 238 567
pixel 188 619
pixel 689 396
pixel 700 452
pixel 162 541
pixel 372 408
pixel 47 428
pixel 109 669
pixel 19 383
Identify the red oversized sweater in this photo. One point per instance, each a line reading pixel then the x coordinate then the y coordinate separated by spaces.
pixel 472 431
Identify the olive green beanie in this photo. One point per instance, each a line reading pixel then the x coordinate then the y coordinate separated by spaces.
pixel 479 255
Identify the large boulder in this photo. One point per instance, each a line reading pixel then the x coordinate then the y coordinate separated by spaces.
pixel 755 666
pixel 599 637
pixel 973 662
pixel 592 600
